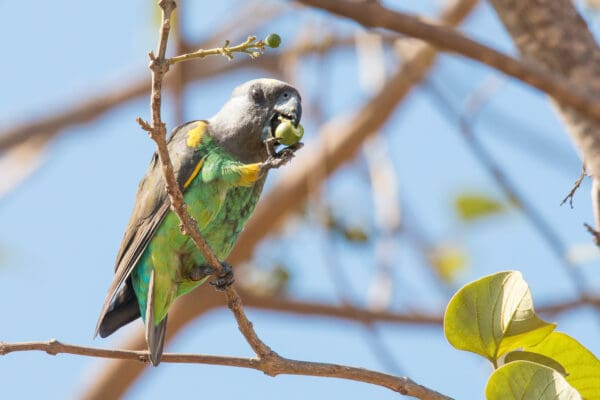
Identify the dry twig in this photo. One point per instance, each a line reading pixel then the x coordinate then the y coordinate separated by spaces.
pixel 545 230
pixel 159 66
pixel 576 185
pixel 337 144
pixel 268 361
pixel 373 14
pixel 595 234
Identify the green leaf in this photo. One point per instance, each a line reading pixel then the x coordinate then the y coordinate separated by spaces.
pixel 525 380
pixel 494 315
pixel 583 368
pixel 355 234
pixel 448 261
pixel 470 206
pixel 519 355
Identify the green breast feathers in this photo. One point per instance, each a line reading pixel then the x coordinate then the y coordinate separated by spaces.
pixel 220 167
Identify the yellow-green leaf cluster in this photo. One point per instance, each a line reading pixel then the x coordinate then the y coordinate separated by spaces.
pixel 494 317
pixel 581 366
pixel 525 380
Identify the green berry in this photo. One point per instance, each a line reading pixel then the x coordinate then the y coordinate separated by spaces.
pixel 273 40
pixel 287 134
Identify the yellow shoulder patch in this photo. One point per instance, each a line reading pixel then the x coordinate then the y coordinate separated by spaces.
pixel 249 173
pixel 194 173
pixel 194 136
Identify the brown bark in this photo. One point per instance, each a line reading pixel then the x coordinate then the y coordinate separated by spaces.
pixel 270 367
pixel 552 34
pixel 373 14
pixel 339 143
pixel 95 105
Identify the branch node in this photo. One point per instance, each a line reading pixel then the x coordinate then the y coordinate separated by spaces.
pixel 271 363
pixel 159 66
pixel 52 347
pixel 144 124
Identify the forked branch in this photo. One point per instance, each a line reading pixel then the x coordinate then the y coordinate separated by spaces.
pixel 267 360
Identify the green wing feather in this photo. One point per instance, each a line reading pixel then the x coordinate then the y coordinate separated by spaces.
pixel 151 206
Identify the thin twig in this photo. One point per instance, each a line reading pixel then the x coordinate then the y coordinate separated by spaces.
pixel 575 187
pixel 443 37
pixel 251 47
pixel 373 14
pixel 86 110
pixel 338 143
pixel 595 234
pixel 157 131
pixel 269 361
pixel 552 238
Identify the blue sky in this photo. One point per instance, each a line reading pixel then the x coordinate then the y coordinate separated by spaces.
pixel 60 230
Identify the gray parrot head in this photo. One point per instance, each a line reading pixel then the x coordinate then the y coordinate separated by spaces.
pixel 251 114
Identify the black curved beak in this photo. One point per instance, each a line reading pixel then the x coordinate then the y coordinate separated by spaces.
pixel 290 108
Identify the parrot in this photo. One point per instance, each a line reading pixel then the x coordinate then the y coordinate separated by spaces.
pixel 220 165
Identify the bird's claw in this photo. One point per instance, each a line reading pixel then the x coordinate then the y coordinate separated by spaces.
pixel 199 272
pixel 282 157
pixel 270 144
pixel 223 280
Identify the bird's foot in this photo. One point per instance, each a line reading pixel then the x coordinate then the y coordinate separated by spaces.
pixel 281 157
pixel 270 144
pixel 224 277
pixel 199 272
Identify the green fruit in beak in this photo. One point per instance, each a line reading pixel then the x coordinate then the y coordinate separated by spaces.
pixel 287 134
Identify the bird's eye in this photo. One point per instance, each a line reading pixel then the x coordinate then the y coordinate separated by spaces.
pixel 286 95
pixel 257 94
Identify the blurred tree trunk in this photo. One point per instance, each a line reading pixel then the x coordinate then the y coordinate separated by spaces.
pixel 552 34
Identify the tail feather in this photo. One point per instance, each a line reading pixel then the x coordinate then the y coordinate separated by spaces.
pixel 125 308
pixel 155 334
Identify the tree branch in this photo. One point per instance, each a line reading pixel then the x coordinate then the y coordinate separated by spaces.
pixel 271 367
pixel 372 14
pixel 96 105
pixel 53 347
pixel 268 361
pixel 549 235
pixel 338 143
pixel 157 131
pixel 557 37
